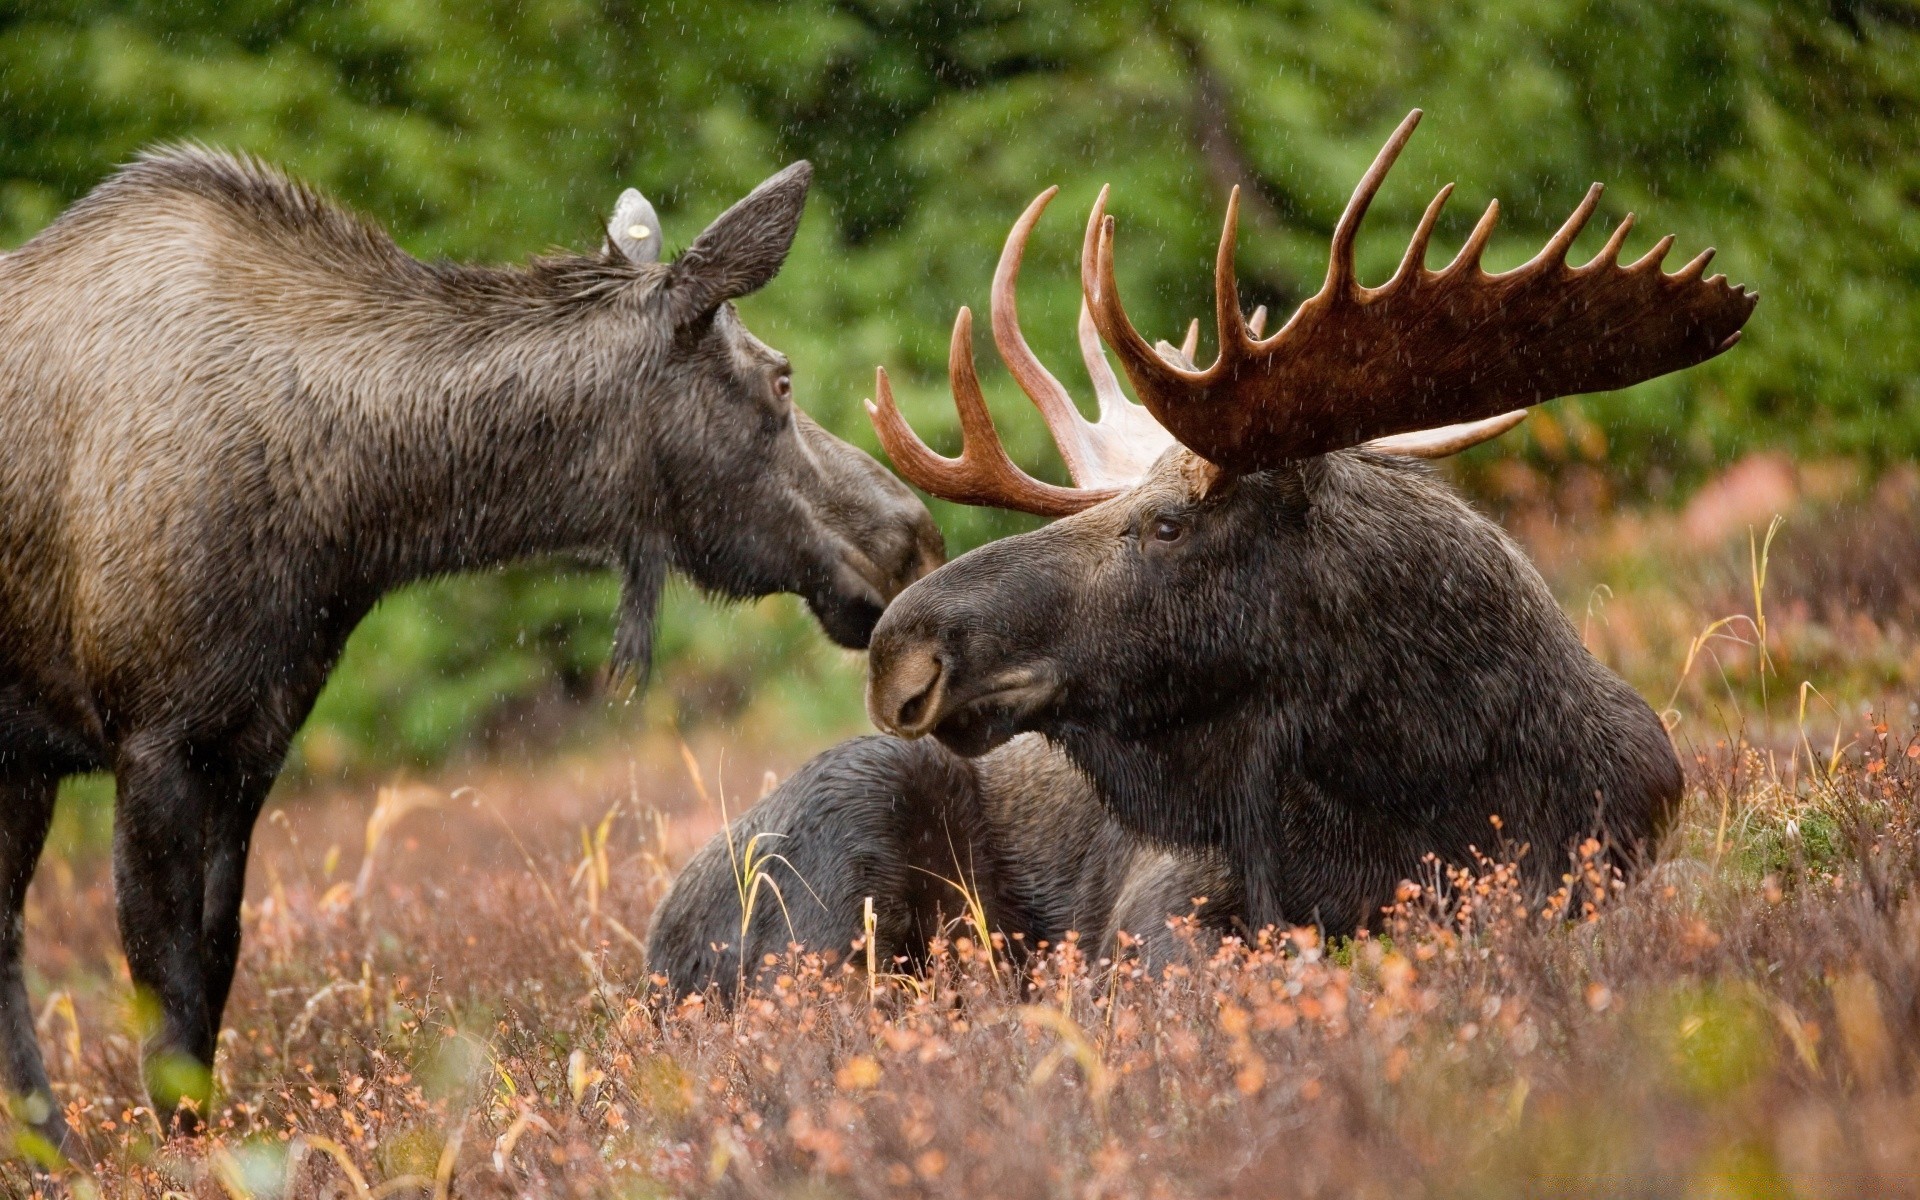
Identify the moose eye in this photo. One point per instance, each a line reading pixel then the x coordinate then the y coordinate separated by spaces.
pixel 1166 529
pixel 783 386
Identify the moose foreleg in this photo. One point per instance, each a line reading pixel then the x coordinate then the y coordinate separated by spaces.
pixel 159 874
pixel 229 838
pixel 26 809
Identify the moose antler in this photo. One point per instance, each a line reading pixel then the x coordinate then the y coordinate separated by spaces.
pixel 1103 457
pixel 983 474
pixel 1354 366
pixel 1427 347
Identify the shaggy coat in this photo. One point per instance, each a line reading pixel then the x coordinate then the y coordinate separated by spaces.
pixel 1323 673
pixel 1281 695
pixel 235 416
pixel 908 824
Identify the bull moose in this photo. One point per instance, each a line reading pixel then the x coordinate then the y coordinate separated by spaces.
pixel 236 415
pixel 1264 640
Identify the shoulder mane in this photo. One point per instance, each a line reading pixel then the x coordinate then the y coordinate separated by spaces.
pixel 260 198
pixel 265 203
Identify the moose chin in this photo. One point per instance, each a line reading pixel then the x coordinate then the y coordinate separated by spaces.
pixel 237 415
pixel 1267 655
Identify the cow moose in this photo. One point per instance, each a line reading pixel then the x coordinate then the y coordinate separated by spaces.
pixel 1265 640
pixel 236 415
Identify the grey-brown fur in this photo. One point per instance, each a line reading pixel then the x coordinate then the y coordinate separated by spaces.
pixel 233 415
pixel 896 821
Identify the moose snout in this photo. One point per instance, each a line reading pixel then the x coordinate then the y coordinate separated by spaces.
pixel 929 554
pixel 904 688
pixel 969 655
pixel 909 551
pixel 866 576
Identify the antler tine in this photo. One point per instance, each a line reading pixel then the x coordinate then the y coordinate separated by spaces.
pixel 982 474
pixel 1090 249
pixel 1469 257
pixel 1129 438
pixel 1106 385
pixel 1447 440
pixel 979 440
pixel 1340 260
pixel 1226 288
pixel 1415 259
pixel 1651 260
pixel 1555 251
pixel 1069 429
pixel 1610 253
pixel 1457 347
pixel 911 456
pixel 1109 314
pixel 1696 268
pixel 1190 345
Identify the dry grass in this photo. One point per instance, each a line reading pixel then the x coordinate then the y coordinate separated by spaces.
pixel 470 1015
pixel 1747 1023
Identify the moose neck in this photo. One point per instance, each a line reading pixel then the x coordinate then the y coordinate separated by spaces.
pixel 474 435
pixel 1415 680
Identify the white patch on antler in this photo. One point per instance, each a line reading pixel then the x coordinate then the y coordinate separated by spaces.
pixel 1128 440
pixel 1447 440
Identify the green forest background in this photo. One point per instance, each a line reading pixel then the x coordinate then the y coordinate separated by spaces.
pixel 1784 134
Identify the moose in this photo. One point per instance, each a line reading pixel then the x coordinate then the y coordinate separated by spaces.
pixel 924 834
pixel 1265 642
pixel 237 414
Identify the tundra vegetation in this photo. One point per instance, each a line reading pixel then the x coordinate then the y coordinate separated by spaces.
pixel 441 994
pixel 442 991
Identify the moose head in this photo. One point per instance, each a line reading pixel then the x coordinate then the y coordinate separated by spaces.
pixel 1263 625
pixel 748 494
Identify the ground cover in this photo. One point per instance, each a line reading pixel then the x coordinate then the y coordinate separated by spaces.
pixel 442 990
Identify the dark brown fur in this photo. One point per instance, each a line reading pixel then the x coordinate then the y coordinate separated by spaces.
pixel 235 415
pixel 903 823
pixel 1323 673
pixel 1281 692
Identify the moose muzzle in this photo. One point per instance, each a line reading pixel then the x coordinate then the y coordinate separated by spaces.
pixel 970 675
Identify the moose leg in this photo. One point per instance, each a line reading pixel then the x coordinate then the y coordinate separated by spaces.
pixel 159 873
pixel 229 838
pixel 26 809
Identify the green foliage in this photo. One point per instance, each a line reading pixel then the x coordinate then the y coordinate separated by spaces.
pixel 1716 1038
pixel 82 818
pixel 1780 132
pixel 1812 842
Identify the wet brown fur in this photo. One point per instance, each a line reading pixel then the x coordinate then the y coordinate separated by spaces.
pixel 234 415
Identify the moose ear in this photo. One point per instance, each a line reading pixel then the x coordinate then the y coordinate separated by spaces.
pixel 743 249
pixel 634 229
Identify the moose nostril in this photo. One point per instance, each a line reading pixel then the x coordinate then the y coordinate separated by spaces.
pixel 915 706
